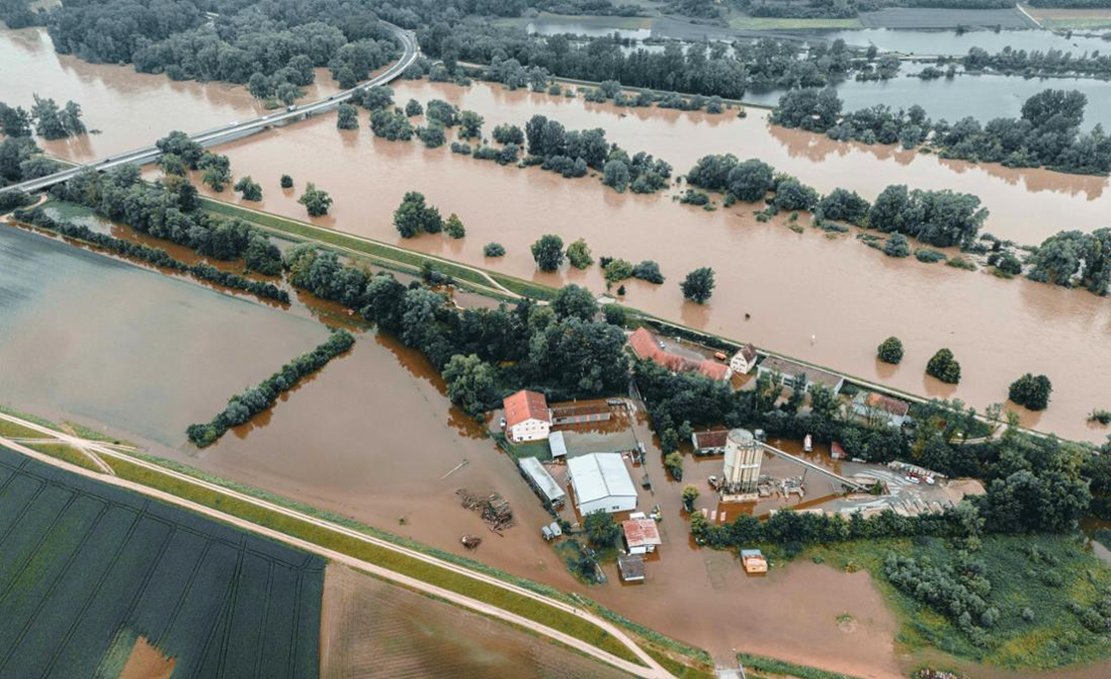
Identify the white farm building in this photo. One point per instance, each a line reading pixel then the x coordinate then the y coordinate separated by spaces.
pixel 601 482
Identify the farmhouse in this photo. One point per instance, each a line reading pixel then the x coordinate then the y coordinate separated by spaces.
pixel 642 536
pixel 873 407
pixel 709 442
pixel 646 346
pixel 744 360
pixel 790 369
pixel 601 483
pixel 542 482
pixel 526 416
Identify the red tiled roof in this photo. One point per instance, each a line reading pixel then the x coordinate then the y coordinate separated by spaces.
pixel 712 438
pixel 888 404
pixel 641 532
pixel 644 344
pixel 525 405
pixel 713 369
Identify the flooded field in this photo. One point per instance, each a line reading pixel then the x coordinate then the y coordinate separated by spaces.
pixel 130 109
pixel 372 629
pixel 86 337
pixel 796 287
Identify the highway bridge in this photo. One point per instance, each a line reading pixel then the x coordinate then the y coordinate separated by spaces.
pixel 240 128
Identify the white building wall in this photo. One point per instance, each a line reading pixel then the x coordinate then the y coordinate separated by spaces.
pixel 530 430
pixel 609 504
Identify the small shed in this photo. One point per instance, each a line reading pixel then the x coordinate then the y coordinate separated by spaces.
pixel 642 536
pixel 754 561
pixel 542 482
pixel 557 444
pixel 709 442
pixel 631 567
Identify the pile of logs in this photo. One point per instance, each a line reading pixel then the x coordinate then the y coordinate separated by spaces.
pixel 493 508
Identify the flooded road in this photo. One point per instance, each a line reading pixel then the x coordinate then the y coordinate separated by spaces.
pixel 796 287
pixel 130 109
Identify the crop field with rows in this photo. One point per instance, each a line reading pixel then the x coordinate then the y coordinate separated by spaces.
pixel 87 569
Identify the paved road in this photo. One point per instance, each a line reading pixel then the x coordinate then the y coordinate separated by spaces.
pixel 240 128
pixel 653 670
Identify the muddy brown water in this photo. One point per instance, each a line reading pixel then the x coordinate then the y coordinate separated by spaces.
pixel 826 300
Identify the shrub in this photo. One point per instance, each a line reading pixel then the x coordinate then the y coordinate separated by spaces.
pixel 673 462
pixel 944 367
pixel 891 350
pixel 617 270
pixel 454 226
pixel 648 271
pixel 1101 416
pixel 1031 392
pixel 578 253
pixel 928 256
pixel 896 246
pixel 287 181
pixel 959 262
pixel 493 250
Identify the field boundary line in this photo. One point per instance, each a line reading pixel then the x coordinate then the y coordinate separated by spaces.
pixel 650 670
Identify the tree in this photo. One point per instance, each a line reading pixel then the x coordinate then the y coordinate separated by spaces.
pixel 1030 391
pixel 548 252
pixel 442 112
pixel 509 134
pixel 470 382
pixel 493 250
pixel 470 125
pixel 648 271
pixel 454 226
pixel 432 135
pixel 249 188
pixel 614 314
pixel 698 285
pixel 617 270
pixel 413 108
pixel 673 461
pixel 574 301
pixel 171 164
pixel 616 174
pixel 316 201
pixel 48 119
pixel 601 529
pixel 944 367
pixel 262 256
pixel 844 206
pixel 891 350
pixel 413 217
pixel 792 194
pixel 216 170
pixel 71 119
pixel 751 180
pixel 348 118
pixel 578 253
pixel 690 494
pixel 260 86
pixel 896 246
pixel 287 181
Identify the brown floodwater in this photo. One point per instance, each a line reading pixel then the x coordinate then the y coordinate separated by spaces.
pixel 129 109
pixel 826 300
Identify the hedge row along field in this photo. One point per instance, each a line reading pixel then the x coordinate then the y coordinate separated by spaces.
pixel 154 256
pixel 88 570
pixel 254 400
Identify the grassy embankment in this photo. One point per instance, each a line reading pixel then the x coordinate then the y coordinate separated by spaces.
pixel 757 666
pixel 376 252
pixel 400 563
pixel 1046 582
pixel 777 23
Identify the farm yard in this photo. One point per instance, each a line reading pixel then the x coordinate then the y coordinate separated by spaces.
pixel 98 581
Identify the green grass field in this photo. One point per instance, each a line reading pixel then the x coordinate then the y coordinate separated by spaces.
pixel 782 668
pixel 1046 585
pixel 89 568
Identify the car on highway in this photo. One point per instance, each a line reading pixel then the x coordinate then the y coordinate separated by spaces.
pixel 292 107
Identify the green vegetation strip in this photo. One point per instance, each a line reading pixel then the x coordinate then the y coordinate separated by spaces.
pixel 786 669
pixel 338 239
pixel 394 561
pixel 66 452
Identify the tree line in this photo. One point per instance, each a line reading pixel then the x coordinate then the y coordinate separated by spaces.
pixel 170 210
pixel 154 256
pixel 242 407
pixel 273 46
pixel 942 218
pixel 1046 135
pixel 1036 63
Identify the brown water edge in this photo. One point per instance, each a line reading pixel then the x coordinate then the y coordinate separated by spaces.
pixel 130 109
pixel 370 628
pixel 795 286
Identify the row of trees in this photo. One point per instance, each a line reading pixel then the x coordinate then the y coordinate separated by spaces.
pixel 242 407
pixel 941 218
pixel 48 119
pixel 170 210
pixel 154 256
pixel 1046 135
pixel 1036 63
pixel 273 46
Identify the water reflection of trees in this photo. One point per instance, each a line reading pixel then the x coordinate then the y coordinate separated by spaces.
pixel 817 148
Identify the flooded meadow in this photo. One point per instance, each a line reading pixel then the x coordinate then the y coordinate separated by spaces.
pixel 829 300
